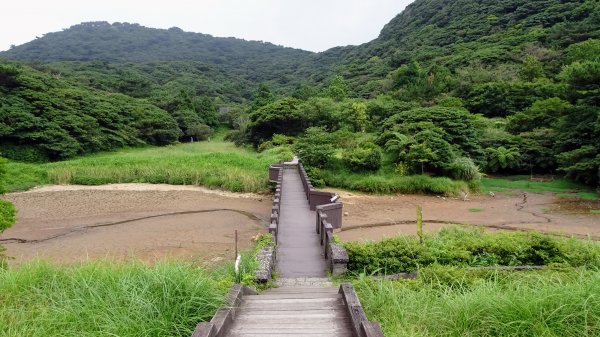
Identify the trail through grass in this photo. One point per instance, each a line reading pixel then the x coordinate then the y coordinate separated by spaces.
pixel 215 164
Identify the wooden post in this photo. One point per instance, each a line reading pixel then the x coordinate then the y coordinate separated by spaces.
pixel 236 244
pixel 420 223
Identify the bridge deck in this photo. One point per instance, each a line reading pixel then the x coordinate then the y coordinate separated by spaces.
pixel 293 311
pixel 299 252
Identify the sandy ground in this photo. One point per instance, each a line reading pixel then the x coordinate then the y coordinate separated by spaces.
pixel 74 223
pixel 150 222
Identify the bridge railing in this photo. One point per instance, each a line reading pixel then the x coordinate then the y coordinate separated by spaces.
pixel 329 214
pixel 276 208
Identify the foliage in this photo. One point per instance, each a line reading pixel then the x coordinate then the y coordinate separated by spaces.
pixel 95 298
pixel 464 168
pixel 454 302
pixel 459 247
pixel 52 119
pixel 215 164
pixel 502 158
pixel 392 183
pixel 364 157
pixel 315 148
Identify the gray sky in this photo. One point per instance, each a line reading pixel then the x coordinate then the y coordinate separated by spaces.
pixel 314 25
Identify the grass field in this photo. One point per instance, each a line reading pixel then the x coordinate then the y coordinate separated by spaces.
pixel 462 290
pixel 501 304
pixel 386 183
pixel 563 187
pixel 104 299
pixel 215 164
pixel 125 299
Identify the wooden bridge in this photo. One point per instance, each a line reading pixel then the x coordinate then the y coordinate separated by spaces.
pixel 302 222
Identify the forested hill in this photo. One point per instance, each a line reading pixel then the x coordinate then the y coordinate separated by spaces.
pixel 458 34
pixel 125 42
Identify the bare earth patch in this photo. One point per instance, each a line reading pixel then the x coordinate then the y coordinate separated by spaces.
pixel 121 221
pixel 372 217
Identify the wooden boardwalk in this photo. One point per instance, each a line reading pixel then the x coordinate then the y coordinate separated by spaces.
pixel 299 252
pixel 305 304
pixel 293 311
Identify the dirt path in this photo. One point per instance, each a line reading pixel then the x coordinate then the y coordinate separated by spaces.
pixel 375 217
pixel 74 223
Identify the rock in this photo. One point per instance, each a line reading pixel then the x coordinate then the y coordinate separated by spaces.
pixel 346 213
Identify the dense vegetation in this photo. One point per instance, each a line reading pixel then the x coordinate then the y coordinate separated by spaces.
pixel 471 248
pixel 104 298
pixel 452 302
pixel 460 291
pixel 448 89
pixel 214 164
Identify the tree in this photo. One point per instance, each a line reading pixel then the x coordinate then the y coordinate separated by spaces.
pixel 199 131
pixel 358 116
pixel 315 147
pixel 502 158
pixel 364 157
pixel 281 116
pixel 531 69
pixel 338 88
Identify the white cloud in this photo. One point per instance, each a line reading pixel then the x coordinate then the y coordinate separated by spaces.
pixel 314 25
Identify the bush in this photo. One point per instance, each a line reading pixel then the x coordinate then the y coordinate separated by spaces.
pixel 460 247
pixel 7 215
pixel 464 169
pixel 265 146
pixel 315 148
pixel 365 157
pixel 200 131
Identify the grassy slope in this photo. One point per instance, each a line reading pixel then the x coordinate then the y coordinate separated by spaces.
pixel 216 164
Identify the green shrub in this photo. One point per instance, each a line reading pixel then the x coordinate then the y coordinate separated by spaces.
pixel 315 148
pixel 7 215
pixel 459 247
pixel 365 157
pixel 464 169
pixel 265 146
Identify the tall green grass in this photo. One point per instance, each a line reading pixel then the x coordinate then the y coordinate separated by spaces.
pixel 386 183
pixel 502 304
pixel 215 164
pixel 104 299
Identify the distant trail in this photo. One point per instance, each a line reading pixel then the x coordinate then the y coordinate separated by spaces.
pixel 121 222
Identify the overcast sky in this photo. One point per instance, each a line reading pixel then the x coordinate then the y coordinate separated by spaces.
pixel 314 25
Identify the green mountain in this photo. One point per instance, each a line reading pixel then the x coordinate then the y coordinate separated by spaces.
pixel 463 33
pixel 526 72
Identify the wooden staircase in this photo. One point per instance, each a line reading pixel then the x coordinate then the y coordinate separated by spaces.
pixel 292 311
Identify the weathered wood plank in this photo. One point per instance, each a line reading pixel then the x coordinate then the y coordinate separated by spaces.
pixel 289 295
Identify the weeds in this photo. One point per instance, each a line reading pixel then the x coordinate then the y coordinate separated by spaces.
pixel 214 164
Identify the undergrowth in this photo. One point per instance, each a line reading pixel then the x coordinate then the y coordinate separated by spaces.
pixel 454 302
pixel 470 247
pixel 215 164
